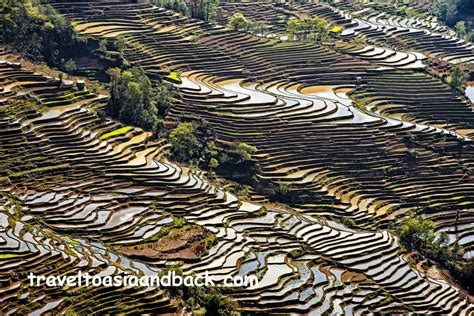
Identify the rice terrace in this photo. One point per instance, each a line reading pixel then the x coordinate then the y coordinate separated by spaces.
pixel 299 157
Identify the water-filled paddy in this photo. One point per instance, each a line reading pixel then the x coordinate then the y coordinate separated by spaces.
pixel 470 90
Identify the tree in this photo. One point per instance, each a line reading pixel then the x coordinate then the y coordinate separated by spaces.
pixel 203 9
pixel 458 78
pixel 259 29
pixel 196 143
pixel 102 46
pixel 417 234
pixel 451 11
pixel 162 100
pixel 210 7
pixel 133 103
pixel 460 28
pixel 239 22
pixel 213 163
pixel 120 44
pixel 180 7
pixel 184 142
pixel 292 28
pixel 70 66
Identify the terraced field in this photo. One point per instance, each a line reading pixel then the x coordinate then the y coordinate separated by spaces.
pixel 272 17
pixel 371 161
pixel 424 35
pixel 353 131
pixel 122 190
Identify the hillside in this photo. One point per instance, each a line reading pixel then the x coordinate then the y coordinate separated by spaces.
pixel 351 140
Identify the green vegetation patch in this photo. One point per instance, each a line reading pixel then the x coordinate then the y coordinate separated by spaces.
pixel 72 241
pixel 174 76
pixel 77 22
pixel 4 256
pixel 116 132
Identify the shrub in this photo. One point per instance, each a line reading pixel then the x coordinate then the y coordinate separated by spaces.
pixel 216 304
pixel 359 40
pixel 349 222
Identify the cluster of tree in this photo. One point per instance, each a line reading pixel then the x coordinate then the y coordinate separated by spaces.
pixel 238 22
pixel 315 29
pixel 133 99
pixel 464 32
pixel 201 300
pixel 38 31
pixel 417 234
pixel 203 9
pixel 118 45
pixel 173 5
pixel 194 143
pixel 449 11
pixel 452 12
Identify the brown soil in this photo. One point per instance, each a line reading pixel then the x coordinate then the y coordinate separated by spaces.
pixel 179 244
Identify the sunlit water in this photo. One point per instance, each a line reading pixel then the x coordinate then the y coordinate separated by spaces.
pixel 470 90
